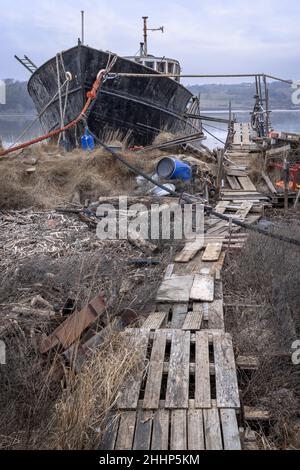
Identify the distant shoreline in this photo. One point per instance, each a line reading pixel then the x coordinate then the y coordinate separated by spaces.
pixel 208 110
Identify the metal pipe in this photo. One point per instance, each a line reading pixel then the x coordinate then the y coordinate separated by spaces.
pixel 159 75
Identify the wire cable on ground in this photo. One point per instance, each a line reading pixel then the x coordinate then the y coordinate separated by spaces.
pixel 193 200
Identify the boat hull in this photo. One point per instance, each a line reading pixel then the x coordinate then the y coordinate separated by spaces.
pixel 139 107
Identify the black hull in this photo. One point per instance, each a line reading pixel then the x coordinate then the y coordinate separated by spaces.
pixel 142 106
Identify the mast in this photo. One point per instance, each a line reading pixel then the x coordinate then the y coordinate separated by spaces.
pixel 82 27
pixel 145 18
pixel 146 29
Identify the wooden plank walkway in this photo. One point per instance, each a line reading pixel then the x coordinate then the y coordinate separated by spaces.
pixel 186 396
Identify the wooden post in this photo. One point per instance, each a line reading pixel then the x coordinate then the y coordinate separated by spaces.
pixel 220 156
pixel 297 199
pixel 286 184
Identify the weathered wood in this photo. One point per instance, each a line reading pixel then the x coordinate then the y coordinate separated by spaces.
pixel 155 320
pixel 244 210
pixel 246 183
pixel 175 289
pixel 212 252
pixel 190 250
pixel 212 429
pixel 138 241
pixel 143 430
pixel 193 319
pixel 169 271
pixel 233 182
pixel 126 431
pixel 72 328
pixel 202 288
pixel 155 371
pixel 178 315
pixel 231 435
pixel 269 182
pixel 255 414
pixel 160 434
pixel 177 394
pixel 178 430
pixel 202 373
pixel 216 315
pixel 278 151
pixel 111 432
pixel 195 430
pixel 226 378
pixel 129 394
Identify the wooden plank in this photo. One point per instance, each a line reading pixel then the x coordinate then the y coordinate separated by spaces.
pixel 129 394
pixel 215 229
pixel 233 182
pixel 269 183
pixel 231 435
pixel 216 315
pixel 178 430
pixel 143 430
pixel 202 373
pixel 177 394
pixel 195 430
pixel 203 288
pixel 72 328
pixel 226 378
pixel 169 271
pixel 155 320
pixel 155 371
pixel 126 431
pixel 278 151
pixel 175 289
pixel 246 183
pixel 212 252
pixel 178 316
pixel 160 434
pixel 110 436
pixel 190 250
pixel 221 207
pixel 212 429
pixel 244 210
pixel 234 172
pixel 194 319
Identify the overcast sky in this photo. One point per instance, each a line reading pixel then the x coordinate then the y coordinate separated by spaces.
pixel 207 36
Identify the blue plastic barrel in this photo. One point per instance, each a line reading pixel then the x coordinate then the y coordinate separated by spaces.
pixel 87 141
pixel 173 169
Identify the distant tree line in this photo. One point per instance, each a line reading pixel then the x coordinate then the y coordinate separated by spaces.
pixel 242 96
pixel 212 96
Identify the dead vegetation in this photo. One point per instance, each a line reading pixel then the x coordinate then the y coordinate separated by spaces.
pixel 265 276
pixel 41 409
pixel 43 177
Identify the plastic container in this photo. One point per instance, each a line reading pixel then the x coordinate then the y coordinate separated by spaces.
pixel 173 169
pixel 87 141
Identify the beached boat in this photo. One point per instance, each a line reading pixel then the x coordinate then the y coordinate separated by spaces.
pixel 140 106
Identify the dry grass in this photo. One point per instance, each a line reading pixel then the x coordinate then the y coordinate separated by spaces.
pixel 40 411
pixel 58 177
pixel 265 274
pixel 81 413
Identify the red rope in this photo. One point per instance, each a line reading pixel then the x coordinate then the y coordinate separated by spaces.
pixel 91 95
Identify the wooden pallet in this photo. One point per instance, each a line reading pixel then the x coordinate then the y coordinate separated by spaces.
pixel 181 366
pixel 186 429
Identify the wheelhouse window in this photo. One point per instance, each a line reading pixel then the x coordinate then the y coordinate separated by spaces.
pixel 170 67
pixel 161 67
pixel 149 64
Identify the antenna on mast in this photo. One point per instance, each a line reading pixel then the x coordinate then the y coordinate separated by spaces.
pixel 146 29
pixel 82 26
